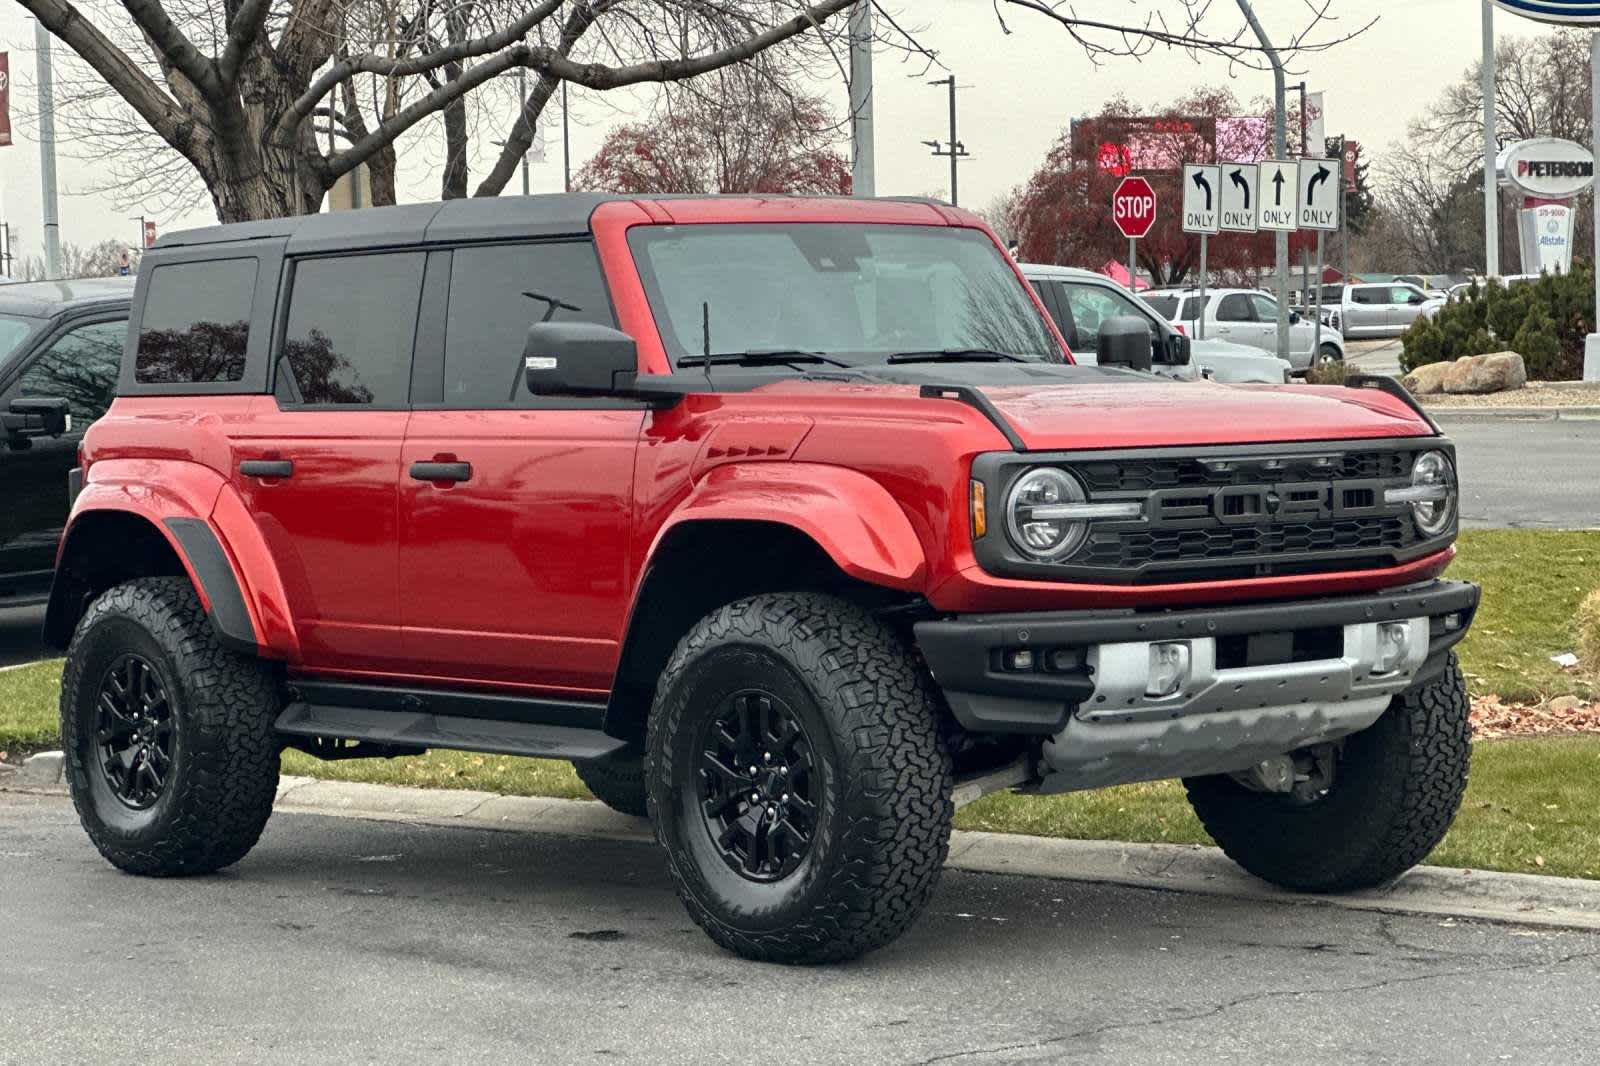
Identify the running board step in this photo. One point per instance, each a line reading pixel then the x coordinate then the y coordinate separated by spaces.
pixel 417 729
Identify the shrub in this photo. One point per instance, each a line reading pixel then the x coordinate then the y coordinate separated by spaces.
pixel 1334 373
pixel 1544 321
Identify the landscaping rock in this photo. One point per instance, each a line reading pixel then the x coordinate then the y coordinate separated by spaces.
pixel 1564 704
pixel 40 771
pixel 1427 379
pixel 1495 372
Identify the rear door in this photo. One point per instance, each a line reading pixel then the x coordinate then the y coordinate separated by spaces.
pixel 1368 310
pixel 318 462
pixel 78 361
pixel 514 509
pixel 1236 321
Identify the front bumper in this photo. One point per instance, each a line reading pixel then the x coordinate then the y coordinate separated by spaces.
pixel 1256 680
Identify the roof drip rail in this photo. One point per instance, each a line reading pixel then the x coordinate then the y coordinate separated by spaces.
pixel 973 398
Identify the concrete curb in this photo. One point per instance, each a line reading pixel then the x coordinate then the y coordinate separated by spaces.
pixel 1515 899
pixel 1521 899
pixel 24 666
pixel 1513 414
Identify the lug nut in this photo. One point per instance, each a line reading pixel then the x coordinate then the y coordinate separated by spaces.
pixel 755 797
pixel 766 757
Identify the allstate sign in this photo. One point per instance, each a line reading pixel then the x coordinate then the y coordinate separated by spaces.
pixel 1579 12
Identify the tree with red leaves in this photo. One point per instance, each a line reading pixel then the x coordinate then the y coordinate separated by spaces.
pixel 741 135
pixel 1063 214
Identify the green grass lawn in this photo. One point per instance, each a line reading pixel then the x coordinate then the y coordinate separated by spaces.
pixel 1533 804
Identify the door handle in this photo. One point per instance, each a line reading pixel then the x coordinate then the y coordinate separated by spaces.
pixel 441 471
pixel 266 468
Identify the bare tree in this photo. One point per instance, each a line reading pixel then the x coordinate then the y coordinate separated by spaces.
pixel 262 98
pixel 1134 29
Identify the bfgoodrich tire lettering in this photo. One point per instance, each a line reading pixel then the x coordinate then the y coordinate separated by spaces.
pixel 1398 786
pixel 880 785
pixel 223 771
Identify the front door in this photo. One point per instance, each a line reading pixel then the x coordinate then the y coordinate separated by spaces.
pixel 319 461
pixel 77 363
pixel 515 510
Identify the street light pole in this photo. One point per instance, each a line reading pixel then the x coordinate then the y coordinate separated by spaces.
pixel 1491 147
pixel 1280 148
pixel 47 154
pixel 566 141
pixel 863 162
pixel 522 103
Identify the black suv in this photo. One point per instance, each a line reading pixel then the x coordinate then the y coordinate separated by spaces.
pixel 60 349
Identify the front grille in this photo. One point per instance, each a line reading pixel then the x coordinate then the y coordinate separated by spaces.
pixel 1225 513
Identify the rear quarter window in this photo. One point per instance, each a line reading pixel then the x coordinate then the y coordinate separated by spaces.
pixel 196 323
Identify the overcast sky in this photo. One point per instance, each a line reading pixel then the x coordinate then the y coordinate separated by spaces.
pixel 1018 92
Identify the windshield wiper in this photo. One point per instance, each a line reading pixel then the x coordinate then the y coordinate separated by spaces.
pixel 956 355
pixel 759 357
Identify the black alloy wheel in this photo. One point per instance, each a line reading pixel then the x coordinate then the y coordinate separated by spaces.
pixel 134 732
pixel 756 792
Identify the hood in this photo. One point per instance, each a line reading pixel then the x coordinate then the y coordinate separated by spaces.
pixel 1162 414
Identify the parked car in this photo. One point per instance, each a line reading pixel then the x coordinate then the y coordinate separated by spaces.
pixel 1248 317
pixel 60 347
pixel 788 521
pixel 1510 281
pixel 1079 300
pixel 1373 310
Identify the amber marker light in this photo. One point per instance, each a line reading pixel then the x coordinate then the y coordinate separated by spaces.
pixel 980 510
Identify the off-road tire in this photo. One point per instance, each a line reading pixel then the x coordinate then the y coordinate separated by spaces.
pixel 616 780
pixel 885 782
pixel 224 770
pixel 1396 789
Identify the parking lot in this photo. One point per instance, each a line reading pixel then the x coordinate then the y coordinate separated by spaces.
pixel 357 941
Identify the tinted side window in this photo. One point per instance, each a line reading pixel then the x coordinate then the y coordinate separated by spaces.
pixel 196 321
pixel 352 323
pixel 80 367
pixel 496 293
pixel 1369 294
pixel 1234 307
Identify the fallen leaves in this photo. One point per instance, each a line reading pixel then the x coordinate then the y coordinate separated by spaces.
pixel 1493 717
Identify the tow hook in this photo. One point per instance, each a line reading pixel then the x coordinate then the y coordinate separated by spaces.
pixel 1305 774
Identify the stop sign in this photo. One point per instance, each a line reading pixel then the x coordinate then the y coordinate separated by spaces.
pixel 1133 206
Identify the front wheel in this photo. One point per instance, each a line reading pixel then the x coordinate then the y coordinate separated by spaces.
pixel 1328 355
pixel 797 779
pixel 1396 787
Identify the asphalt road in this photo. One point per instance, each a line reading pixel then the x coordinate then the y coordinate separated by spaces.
pixel 1376 356
pixel 1534 474
pixel 349 941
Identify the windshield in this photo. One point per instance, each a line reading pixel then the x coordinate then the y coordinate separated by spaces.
pixel 14 329
pixel 857 294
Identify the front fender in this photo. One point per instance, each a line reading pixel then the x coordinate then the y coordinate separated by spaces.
pixel 850 516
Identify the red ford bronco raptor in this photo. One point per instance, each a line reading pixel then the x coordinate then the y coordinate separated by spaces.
pixel 791 523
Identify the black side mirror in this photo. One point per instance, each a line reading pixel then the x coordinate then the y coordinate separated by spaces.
pixel 37 416
pixel 1125 341
pixel 1180 349
pixel 577 359
pixel 1294 318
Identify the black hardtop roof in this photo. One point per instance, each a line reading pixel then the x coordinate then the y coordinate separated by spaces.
pixel 47 299
pixel 472 218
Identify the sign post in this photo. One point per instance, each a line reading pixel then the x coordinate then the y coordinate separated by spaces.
pixel 1319 210
pixel 1279 189
pixel 1202 204
pixel 1566 13
pixel 1133 208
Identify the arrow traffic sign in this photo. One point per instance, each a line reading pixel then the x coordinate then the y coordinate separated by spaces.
pixel 1279 189
pixel 1200 198
pixel 1237 197
pixel 1319 194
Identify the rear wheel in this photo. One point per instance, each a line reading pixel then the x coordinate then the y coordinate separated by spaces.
pixel 170 753
pixel 1395 789
pixel 797 779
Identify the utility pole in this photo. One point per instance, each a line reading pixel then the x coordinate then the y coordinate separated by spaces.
pixel 522 102
pixel 863 163
pixel 566 141
pixel 957 151
pixel 47 154
pixel 1491 147
pixel 1280 148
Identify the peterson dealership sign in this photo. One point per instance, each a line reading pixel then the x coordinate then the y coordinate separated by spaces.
pixel 1579 12
pixel 1548 168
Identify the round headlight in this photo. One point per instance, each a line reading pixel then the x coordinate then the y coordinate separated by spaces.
pixel 1433 483
pixel 1032 529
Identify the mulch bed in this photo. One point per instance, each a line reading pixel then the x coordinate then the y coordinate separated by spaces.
pixel 1493 718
